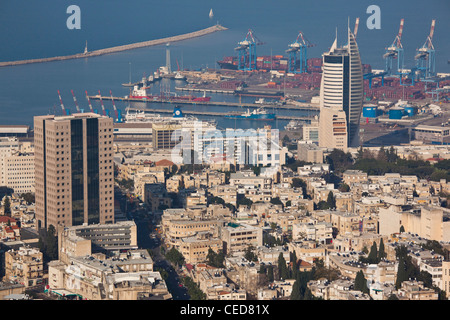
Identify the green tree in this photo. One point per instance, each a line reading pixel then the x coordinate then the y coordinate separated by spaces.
pixel 339 160
pixel 7 206
pixel 373 254
pixel 28 197
pixel 361 282
pixel 193 290
pixel 344 188
pixel 243 201
pixel 276 201
pixel 257 170
pixel 401 274
pixel 322 205
pixel 250 255
pixel 174 256
pixel 331 200
pixel 282 267
pixel 270 275
pixel 48 243
pixel 381 251
pixel 215 259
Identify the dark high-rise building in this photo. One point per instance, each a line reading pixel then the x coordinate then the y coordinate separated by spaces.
pixel 74 170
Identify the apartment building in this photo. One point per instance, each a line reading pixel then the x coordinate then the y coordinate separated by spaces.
pixel 238 237
pixel 18 172
pixel 24 266
pixel 78 241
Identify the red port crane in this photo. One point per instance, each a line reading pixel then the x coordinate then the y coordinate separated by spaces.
pixel 62 105
pixel 75 100
pixel 89 101
pixel 101 101
pixel 114 105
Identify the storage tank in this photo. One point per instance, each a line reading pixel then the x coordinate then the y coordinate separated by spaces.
pixel 370 112
pixel 396 113
pixel 410 111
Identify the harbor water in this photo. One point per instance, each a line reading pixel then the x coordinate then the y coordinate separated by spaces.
pixel 29 30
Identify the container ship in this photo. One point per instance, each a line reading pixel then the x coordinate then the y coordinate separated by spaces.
pixel 257 114
pixel 141 93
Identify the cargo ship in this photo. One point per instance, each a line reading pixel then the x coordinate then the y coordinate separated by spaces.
pixel 258 93
pixel 230 63
pixel 257 114
pixel 141 93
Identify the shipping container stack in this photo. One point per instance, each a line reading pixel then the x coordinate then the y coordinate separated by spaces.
pixel 393 90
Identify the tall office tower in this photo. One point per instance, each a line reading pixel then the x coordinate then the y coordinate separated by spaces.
pixel 341 89
pixel 74 170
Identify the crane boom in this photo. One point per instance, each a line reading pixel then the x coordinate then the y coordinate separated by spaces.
pixel 75 100
pixel 400 30
pixel 114 105
pixel 62 104
pixel 101 101
pixel 89 101
pixel 355 31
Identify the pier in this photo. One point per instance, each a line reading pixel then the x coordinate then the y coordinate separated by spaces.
pixel 216 114
pixel 137 45
pixel 299 107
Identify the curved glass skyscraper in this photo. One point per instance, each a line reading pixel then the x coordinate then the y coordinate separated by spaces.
pixel 341 96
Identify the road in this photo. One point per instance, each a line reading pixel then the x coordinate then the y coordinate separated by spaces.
pixel 146 241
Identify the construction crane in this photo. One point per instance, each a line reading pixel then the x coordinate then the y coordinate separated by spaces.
pixel 114 106
pixel 395 52
pixel 299 46
pixel 89 101
pixel 101 102
pixel 247 52
pixel 75 100
pixel 62 105
pixel 425 55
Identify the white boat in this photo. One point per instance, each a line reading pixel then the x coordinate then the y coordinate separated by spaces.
pixel 177 117
pixel 179 76
pixel 211 14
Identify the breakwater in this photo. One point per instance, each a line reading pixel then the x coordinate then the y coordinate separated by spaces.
pixel 131 46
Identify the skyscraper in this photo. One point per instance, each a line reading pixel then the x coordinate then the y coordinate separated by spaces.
pixel 341 96
pixel 74 170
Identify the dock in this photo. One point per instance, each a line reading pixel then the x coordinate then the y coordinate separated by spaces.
pixel 298 107
pixel 137 45
pixel 215 114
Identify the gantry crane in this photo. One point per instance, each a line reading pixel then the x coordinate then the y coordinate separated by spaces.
pixel 395 52
pixel 247 52
pixel 299 46
pixel 425 56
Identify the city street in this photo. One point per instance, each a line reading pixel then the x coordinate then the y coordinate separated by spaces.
pixel 146 241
